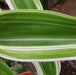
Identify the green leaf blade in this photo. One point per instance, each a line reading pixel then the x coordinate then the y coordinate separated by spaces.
pixel 37 34
pixel 41 55
pixel 48 68
pixel 4 69
pixel 38 22
pixel 24 4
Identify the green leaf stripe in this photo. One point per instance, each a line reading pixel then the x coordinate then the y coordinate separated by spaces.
pixel 50 68
pixel 36 35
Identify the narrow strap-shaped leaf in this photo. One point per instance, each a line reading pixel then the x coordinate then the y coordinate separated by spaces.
pixel 24 4
pixel 38 68
pixel 58 67
pixel 34 34
pixel 47 68
pixel 4 69
pixel 50 68
pixel 45 4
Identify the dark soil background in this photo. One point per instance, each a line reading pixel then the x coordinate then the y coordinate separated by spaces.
pixel 63 6
pixel 66 7
pixel 68 68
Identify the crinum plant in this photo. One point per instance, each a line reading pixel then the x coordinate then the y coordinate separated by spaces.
pixel 36 35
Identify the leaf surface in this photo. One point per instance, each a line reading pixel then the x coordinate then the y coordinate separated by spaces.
pixel 24 4
pixel 4 69
pixel 36 34
pixel 49 68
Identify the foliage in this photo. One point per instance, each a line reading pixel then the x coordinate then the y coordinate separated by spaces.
pixel 4 69
pixel 36 35
pixel 20 28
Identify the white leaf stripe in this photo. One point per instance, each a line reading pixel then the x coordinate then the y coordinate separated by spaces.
pixel 37 48
pixel 37 39
pixel 12 5
pixel 58 67
pixel 38 4
pixel 38 68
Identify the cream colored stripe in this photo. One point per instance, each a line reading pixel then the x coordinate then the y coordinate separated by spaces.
pixel 10 4
pixel 38 68
pixel 38 4
pixel 37 39
pixel 37 48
